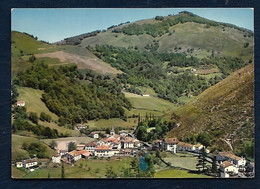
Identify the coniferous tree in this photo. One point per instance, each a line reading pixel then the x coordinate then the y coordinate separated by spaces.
pixel 201 165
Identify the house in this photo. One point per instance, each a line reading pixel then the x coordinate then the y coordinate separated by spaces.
pixel 123 133
pixel 91 146
pixel 145 95
pixel 72 156
pixel 170 144
pixel 227 169
pixel 20 103
pixel 94 135
pixel 181 146
pixel 80 126
pixel 29 163
pixel 157 143
pixel 198 147
pixel 80 147
pixel 104 151
pixel 19 164
pixel 231 157
pixel 129 142
pixel 85 154
pixel 56 158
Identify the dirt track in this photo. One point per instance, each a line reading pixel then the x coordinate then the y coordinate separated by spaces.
pixel 82 62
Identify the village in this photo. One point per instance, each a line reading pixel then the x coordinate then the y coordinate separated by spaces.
pixel 125 144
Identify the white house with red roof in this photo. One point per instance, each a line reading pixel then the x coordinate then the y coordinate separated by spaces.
pixel 227 168
pixel 231 157
pixel 20 103
pixel 91 146
pixel 170 144
pixel 94 135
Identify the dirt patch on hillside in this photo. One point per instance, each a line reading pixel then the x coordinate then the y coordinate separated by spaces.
pixel 83 62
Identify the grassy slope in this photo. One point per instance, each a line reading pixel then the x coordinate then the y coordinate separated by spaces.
pixel 78 140
pixel 187 35
pixel 175 173
pixel 115 122
pixel 33 103
pixel 223 109
pixel 18 153
pixel 82 172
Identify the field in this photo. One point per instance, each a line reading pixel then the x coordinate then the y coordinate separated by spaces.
pixel 115 122
pixel 151 103
pixel 82 62
pixel 78 140
pixel 182 161
pixel 18 153
pixel 176 173
pixel 82 169
pixel 33 103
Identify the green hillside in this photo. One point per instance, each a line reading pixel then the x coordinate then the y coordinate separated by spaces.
pixel 178 33
pixel 224 112
pixel 18 153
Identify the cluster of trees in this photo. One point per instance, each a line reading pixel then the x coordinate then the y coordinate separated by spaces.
pixel 21 123
pixel 227 65
pixel 35 149
pixel 160 128
pixel 160 28
pixel 77 39
pixel 45 117
pixel 146 69
pixel 70 100
pixel 204 138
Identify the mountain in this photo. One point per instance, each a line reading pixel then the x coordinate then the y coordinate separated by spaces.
pixel 224 111
pixel 184 32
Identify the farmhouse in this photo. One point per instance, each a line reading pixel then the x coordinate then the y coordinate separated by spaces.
pixel 56 158
pixel 231 157
pixel 19 164
pixel 72 156
pixel 80 126
pixel 29 163
pixel 91 146
pixel 170 144
pixel 157 143
pixel 103 151
pixel 20 103
pixel 94 135
pixel 227 169
pixel 123 133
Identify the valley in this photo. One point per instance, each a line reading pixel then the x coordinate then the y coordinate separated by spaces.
pixel 136 86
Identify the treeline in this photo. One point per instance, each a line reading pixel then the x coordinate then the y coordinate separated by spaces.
pixel 70 100
pixel 77 39
pixel 162 27
pixel 146 69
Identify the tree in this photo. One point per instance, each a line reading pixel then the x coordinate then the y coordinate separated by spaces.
pixel 72 146
pixel 32 58
pixel 214 165
pixel 107 130
pixel 33 117
pixel 201 165
pixel 62 170
pixel 53 144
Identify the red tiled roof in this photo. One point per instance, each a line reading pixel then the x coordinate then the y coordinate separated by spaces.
pixel 85 153
pixel 225 164
pixel 156 141
pixel 75 153
pixel 171 140
pixel 103 147
pixel 92 144
pixel 229 154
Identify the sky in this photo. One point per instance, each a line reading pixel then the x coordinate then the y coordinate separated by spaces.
pixel 53 25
